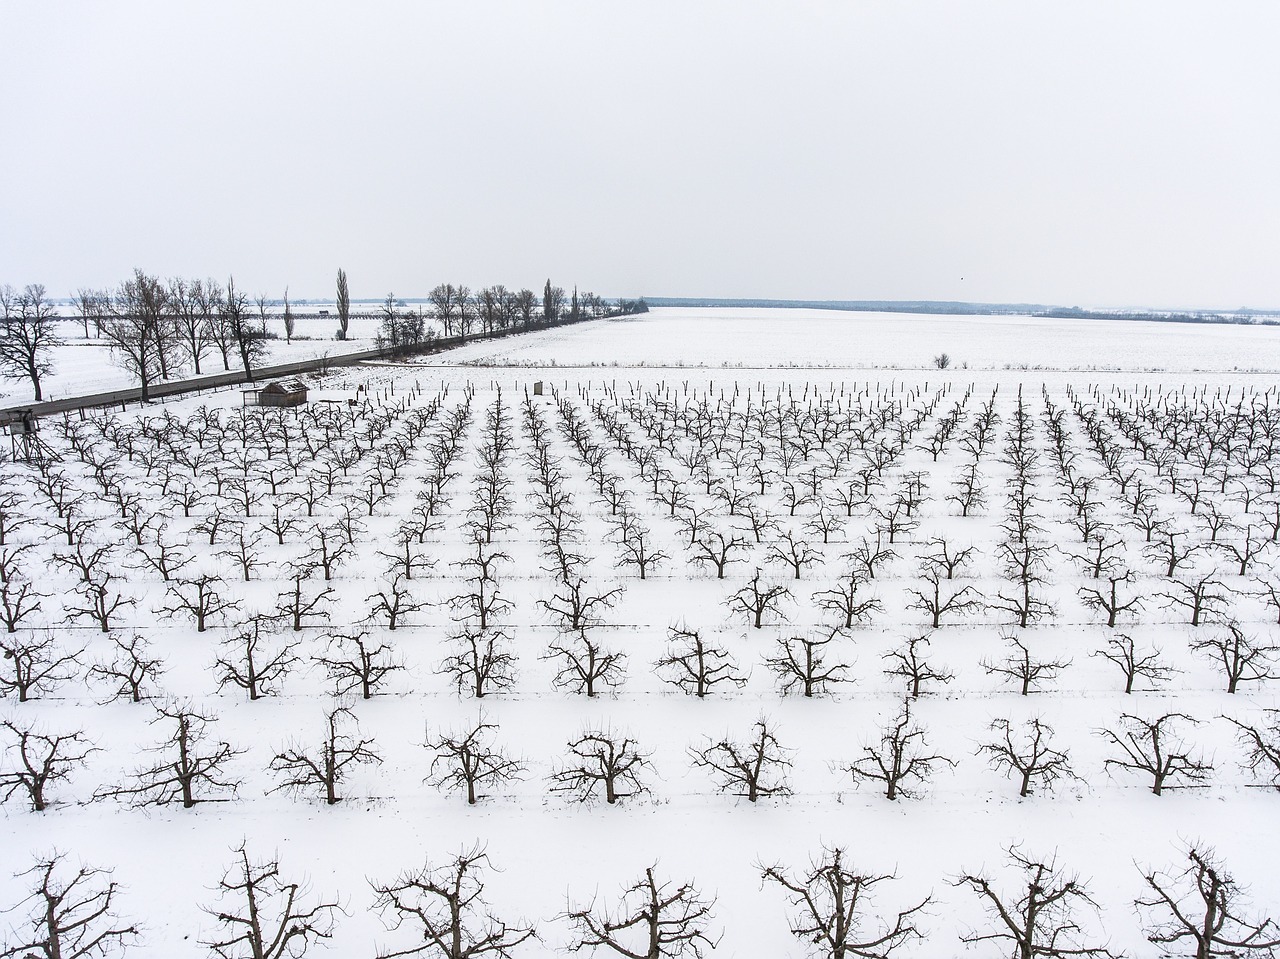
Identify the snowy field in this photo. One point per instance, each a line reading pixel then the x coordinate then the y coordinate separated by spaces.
pixel 764 338
pixel 825 464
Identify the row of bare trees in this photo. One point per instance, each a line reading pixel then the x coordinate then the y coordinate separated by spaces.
pixel 1033 907
pixel 157 327
pixel 258 653
pixel 190 767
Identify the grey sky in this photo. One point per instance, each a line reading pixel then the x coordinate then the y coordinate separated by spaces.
pixel 1100 153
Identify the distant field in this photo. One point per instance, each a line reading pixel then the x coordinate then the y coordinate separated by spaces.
pixel 765 338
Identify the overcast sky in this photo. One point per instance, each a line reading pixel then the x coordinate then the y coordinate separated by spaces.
pixel 1093 153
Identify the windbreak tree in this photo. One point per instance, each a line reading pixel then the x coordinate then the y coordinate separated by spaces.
pixel 134 329
pixel 344 305
pixel 28 335
pixel 248 336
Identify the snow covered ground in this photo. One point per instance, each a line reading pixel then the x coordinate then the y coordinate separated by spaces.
pixel 553 852
pixel 766 338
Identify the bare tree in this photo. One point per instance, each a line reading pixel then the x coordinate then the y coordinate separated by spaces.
pixel 470 761
pixel 394 602
pixel 909 663
pixel 13 515
pixel 752 769
pixel 1269 593
pixel 1025 567
pixel 1120 650
pixel 101 602
pixel 599 759
pixel 302 771
pixel 585 665
pixel 844 600
pixel 1022 669
pixel 264 917
pixel 288 318
pixel 968 492
pixel 84 559
pixel 353 662
pixel 795 554
pixel 132 672
pixel 576 606
pixel 939 555
pixel 135 329
pixel 1099 556
pixel 900 759
pixel 19 600
pixel 481 663
pixel 442 302
pixel 329 550
pixel 406 556
pixel 34 665
pixel 9 556
pixel 757 599
pixel 484 601
pixel 1244 553
pixel 1203 598
pixel 801 662
pixel 638 549
pixel 249 337
pixel 37 759
pixel 1170 554
pixel 209 297
pixel 1028 755
pixel 69 918
pixel 1262 745
pixel 187 304
pixel 255 660
pixel 830 901
pixel 1201 908
pixel 183 770
pixel 1243 658
pixel 696 666
pixel 1041 920
pixel 1112 602
pixel 296 605
pixel 650 921
pixel 445 911
pixel 1153 747
pixel 28 336
pixel 199 597
pixel 92 305
pixel 938 600
pixel 717 549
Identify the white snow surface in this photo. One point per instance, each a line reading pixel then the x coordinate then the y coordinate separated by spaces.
pixel 771 338
pixel 549 851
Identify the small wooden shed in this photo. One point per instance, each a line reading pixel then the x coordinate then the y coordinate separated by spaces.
pixel 293 393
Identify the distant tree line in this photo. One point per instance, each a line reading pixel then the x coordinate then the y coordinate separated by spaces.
pixel 464 313
pixel 158 329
